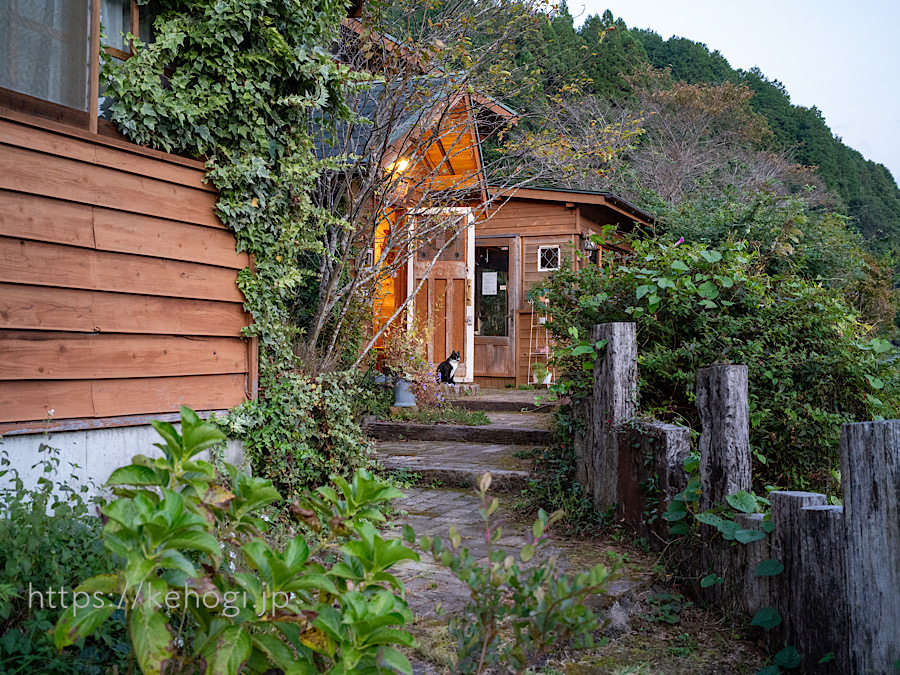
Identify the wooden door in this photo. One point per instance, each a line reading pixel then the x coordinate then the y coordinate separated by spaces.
pixel 444 300
pixel 496 279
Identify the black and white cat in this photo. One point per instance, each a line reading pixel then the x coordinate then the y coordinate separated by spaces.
pixel 447 369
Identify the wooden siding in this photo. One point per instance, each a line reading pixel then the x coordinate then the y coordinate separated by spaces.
pixel 529 218
pixel 118 291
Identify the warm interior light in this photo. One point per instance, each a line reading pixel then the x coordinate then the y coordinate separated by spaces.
pixel 399 165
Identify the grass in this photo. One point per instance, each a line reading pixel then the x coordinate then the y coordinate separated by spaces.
pixel 444 414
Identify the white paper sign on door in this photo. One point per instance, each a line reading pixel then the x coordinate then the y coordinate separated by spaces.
pixel 489 283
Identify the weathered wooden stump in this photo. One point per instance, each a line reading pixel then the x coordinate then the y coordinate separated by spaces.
pixel 725 466
pixel 615 401
pixel 870 476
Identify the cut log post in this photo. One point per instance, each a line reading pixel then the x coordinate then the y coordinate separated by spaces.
pixel 788 586
pixel 725 466
pixel 582 409
pixel 753 592
pixel 615 401
pixel 870 476
pixel 822 598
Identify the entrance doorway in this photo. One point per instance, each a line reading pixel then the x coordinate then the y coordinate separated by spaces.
pixel 444 303
pixel 495 278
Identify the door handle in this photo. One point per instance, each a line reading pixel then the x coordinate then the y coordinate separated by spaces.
pixel 468 292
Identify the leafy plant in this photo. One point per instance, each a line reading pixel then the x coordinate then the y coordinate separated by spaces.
pixel 813 365
pixel 51 539
pixel 666 608
pixel 540 371
pixel 516 614
pixel 202 589
pixel 302 430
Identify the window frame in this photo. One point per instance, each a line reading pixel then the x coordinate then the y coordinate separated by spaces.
pixel 540 253
pixel 16 100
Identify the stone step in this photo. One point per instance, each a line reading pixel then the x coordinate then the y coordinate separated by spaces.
pixel 456 464
pixel 465 389
pixel 503 433
pixel 500 405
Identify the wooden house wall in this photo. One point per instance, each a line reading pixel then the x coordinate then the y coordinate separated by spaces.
pixel 117 283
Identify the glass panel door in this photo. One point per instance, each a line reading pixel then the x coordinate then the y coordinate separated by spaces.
pixel 491 291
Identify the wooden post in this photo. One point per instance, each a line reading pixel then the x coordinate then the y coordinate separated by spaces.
pixel 822 606
pixel 615 401
pixel 751 592
pixel 651 467
pixel 870 476
pixel 582 409
pixel 788 586
pixel 725 466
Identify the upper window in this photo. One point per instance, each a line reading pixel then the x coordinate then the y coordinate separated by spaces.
pixel 45 50
pixel 45 46
pixel 548 258
pixel 119 18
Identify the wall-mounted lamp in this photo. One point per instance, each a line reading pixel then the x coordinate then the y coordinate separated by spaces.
pixel 398 165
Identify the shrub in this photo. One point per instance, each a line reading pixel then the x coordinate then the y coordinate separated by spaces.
pixel 204 591
pixel 302 430
pixel 51 539
pixel 812 364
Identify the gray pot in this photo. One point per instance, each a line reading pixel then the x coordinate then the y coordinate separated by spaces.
pixel 403 394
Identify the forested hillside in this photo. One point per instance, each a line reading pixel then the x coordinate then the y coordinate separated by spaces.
pixel 862 189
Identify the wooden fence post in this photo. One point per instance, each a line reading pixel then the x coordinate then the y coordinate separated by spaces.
pixel 786 547
pixel 725 466
pixel 583 409
pixel 822 601
pixel 615 401
pixel 870 476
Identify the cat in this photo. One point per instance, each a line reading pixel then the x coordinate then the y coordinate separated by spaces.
pixel 447 369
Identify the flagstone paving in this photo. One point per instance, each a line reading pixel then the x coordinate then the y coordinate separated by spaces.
pixel 447 471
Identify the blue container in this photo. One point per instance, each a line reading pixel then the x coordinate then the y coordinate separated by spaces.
pixel 403 394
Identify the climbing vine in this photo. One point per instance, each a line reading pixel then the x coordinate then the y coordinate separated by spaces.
pixel 237 82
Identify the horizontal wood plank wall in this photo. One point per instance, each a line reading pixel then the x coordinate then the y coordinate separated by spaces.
pixel 118 290
pixel 529 218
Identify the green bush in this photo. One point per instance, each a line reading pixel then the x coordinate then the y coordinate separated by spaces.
pixel 204 591
pixel 301 430
pixel 813 365
pixel 50 540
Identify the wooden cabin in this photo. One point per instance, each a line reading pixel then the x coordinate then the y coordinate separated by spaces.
pixel 528 235
pixel 118 295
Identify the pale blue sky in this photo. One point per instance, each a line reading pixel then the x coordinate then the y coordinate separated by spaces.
pixel 842 57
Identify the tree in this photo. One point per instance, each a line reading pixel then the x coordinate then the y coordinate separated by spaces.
pixel 432 82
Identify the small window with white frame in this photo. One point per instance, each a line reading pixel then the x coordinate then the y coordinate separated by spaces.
pixel 548 258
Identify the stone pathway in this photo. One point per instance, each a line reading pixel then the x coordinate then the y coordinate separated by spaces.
pixel 449 460
pixel 453 468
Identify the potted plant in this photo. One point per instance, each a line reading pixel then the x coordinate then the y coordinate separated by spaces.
pixel 405 361
pixel 540 373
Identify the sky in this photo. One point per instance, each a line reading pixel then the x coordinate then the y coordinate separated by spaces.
pixel 842 57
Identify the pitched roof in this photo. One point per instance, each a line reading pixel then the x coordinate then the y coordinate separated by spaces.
pixel 562 194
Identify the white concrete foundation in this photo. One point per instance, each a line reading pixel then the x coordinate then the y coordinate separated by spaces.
pixel 89 457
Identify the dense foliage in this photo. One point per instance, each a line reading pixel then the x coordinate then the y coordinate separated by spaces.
pixel 203 589
pixel 51 540
pixel 303 431
pixel 813 365
pixel 236 82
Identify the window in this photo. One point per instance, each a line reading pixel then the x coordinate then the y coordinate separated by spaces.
pixel 119 18
pixel 46 52
pixel 548 258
